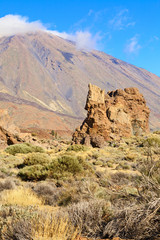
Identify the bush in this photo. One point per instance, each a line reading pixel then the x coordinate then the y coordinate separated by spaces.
pixel 64 166
pixel 48 191
pixel 33 173
pixel 37 158
pixel 7 184
pixel 29 223
pixel 151 169
pixel 152 142
pixel 15 223
pixel 135 222
pixel 90 216
pixel 23 148
pixel 39 167
pixel 77 148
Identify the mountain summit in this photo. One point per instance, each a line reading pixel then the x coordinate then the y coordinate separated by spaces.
pixel 44 78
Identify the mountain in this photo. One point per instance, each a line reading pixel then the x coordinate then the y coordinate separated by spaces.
pixel 44 81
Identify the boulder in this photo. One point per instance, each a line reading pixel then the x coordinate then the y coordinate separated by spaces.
pixel 7 138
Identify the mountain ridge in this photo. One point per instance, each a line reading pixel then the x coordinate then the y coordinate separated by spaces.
pixel 49 71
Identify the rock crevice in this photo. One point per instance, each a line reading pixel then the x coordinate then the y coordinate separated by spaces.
pixel 119 113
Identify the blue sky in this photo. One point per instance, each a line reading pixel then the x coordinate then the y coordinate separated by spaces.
pixel 128 30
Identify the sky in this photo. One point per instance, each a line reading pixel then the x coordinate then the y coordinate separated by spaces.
pixel 126 29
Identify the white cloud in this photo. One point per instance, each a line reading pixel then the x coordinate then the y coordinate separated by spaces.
pixel 16 24
pixel 83 39
pixel 132 46
pixel 121 20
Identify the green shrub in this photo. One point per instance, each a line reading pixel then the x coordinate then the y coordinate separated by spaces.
pixel 77 148
pixel 33 173
pixel 152 142
pixel 63 165
pixel 110 164
pixel 98 163
pixel 37 158
pixel 123 165
pixel 23 148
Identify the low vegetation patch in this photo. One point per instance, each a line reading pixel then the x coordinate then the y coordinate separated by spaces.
pixel 20 196
pixel 37 158
pixel 77 148
pixel 67 165
pixel 23 148
pixel 33 173
pixel 70 190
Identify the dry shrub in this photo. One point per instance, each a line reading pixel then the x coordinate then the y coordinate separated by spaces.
pixel 151 169
pixel 20 196
pixel 48 191
pixel 52 227
pixel 15 222
pixel 136 222
pixel 6 184
pixel 17 230
pixel 121 178
pixel 33 224
pixel 90 216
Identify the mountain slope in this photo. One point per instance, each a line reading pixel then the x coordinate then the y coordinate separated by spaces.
pixel 50 73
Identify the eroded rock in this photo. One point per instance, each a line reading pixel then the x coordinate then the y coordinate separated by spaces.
pixel 120 113
pixel 7 138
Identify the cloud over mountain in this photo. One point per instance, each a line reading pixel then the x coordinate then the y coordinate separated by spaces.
pixel 16 24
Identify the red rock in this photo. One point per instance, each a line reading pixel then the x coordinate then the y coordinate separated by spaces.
pixel 120 113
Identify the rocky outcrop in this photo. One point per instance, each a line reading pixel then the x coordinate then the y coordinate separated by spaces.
pixel 7 138
pixel 120 113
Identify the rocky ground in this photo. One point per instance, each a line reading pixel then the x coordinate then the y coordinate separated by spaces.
pixel 50 189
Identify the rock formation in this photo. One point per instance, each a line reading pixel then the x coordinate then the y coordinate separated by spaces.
pixel 120 113
pixel 7 138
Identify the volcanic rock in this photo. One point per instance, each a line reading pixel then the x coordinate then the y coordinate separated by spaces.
pixel 120 113
pixel 7 138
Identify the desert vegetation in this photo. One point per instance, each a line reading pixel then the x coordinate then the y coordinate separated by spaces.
pixel 70 191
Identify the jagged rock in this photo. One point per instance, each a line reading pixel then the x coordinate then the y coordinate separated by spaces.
pixel 120 113
pixel 7 138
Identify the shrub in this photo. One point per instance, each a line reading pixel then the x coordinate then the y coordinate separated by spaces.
pixel 135 222
pixel 48 191
pixel 15 224
pixel 151 169
pixel 23 148
pixel 90 216
pixel 77 148
pixel 7 184
pixel 64 166
pixel 30 223
pixel 37 158
pixel 123 165
pixel 152 142
pixel 33 173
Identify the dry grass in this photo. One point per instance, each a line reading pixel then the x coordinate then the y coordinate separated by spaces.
pixel 20 196
pixel 53 228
